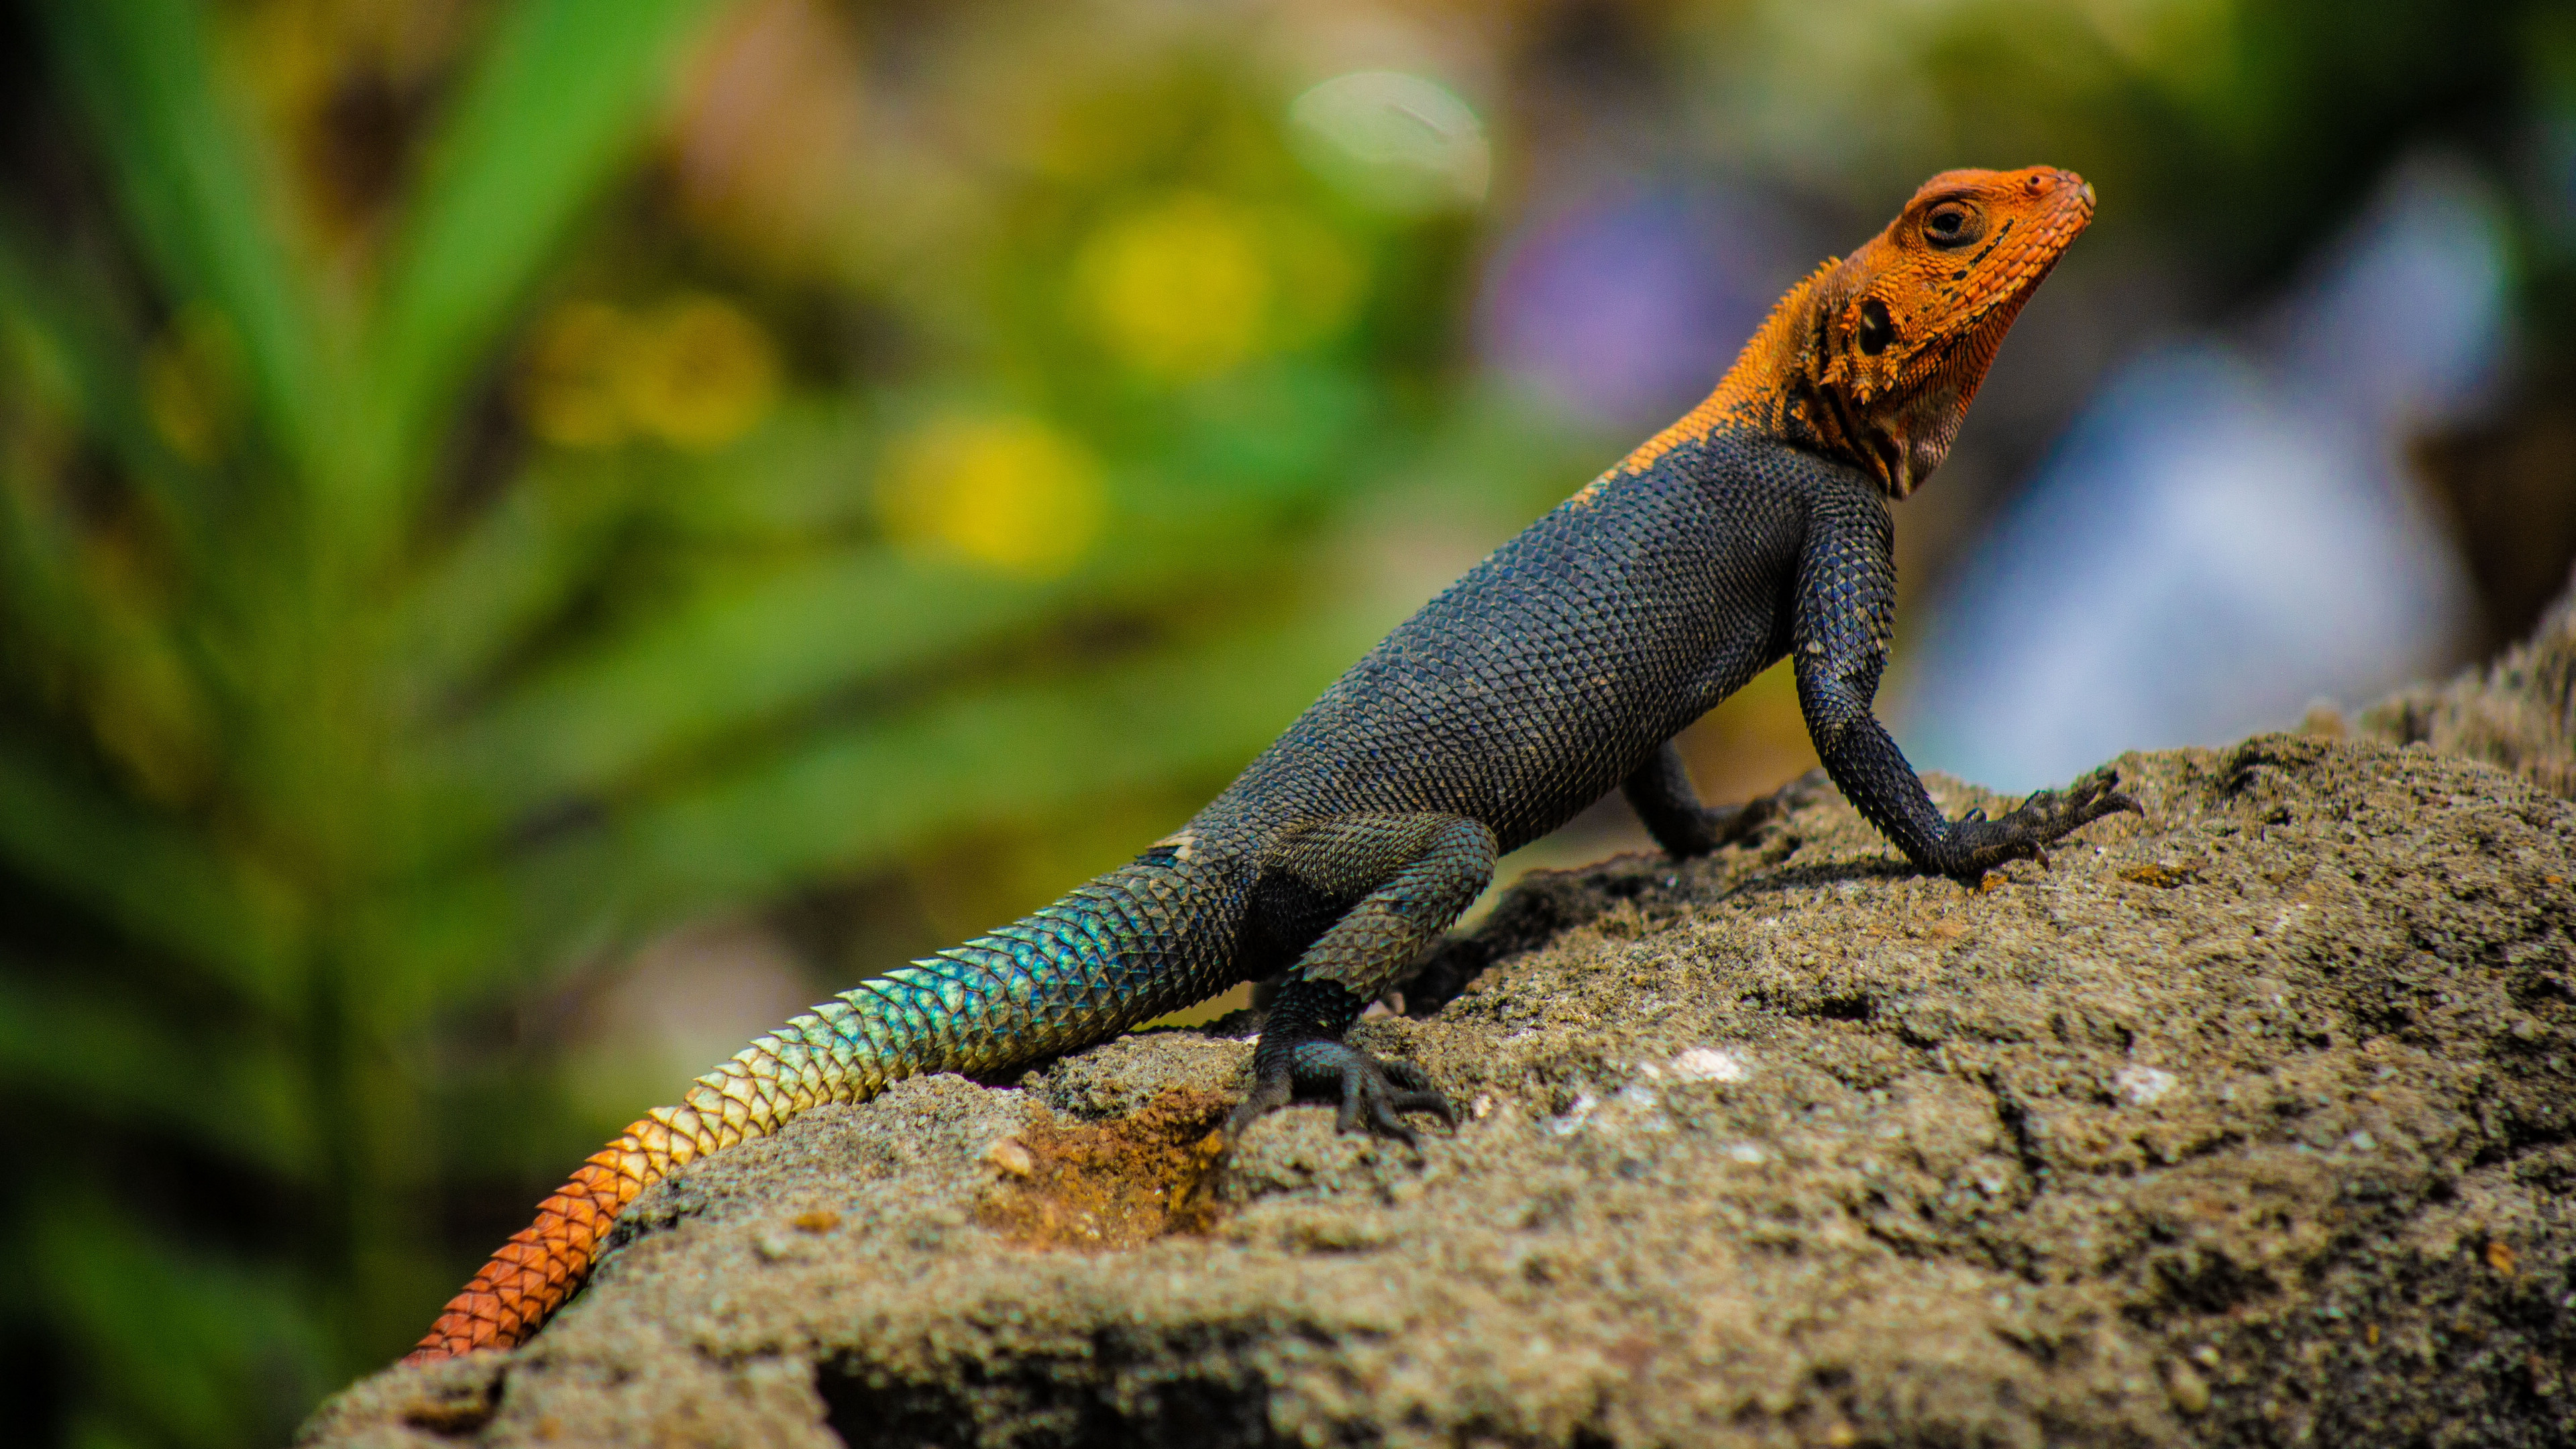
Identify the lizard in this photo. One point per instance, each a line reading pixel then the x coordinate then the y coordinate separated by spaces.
pixel 1756 527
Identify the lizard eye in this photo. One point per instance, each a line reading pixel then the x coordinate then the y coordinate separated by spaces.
pixel 1953 224
pixel 1877 329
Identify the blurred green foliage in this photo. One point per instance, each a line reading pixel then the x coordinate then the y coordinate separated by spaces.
pixel 482 485
pixel 330 728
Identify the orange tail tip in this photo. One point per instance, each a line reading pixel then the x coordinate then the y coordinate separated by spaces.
pixel 534 1272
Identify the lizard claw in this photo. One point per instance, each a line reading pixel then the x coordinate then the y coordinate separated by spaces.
pixel 1373 1094
pixel 2024 833
pixel 1270 1092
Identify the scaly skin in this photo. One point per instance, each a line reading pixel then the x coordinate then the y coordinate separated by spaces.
pixel 1560 667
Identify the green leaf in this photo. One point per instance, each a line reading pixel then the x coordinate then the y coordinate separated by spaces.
pixel 182 1348
pixel 156 881
pixel 94 369
pixel 178 159
pixel 595 721
pixel 556 106
pixel 513 571
pixel 861 796
pixel 120 1064
pixel 727 660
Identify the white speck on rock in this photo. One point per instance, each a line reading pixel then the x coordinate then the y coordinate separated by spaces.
pixel 1482 1107
pixel 1645 1113
pixel 2143 1085
pixel 1746 1152
pixel 1575 1116
pixel 1709 1064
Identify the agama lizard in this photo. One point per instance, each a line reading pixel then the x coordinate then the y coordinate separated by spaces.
pixel 1561 666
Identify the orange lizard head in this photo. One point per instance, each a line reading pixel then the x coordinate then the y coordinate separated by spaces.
pixel 1875 357
pixel 1902 330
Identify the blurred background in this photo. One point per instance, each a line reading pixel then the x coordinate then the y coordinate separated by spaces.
pixel 539 538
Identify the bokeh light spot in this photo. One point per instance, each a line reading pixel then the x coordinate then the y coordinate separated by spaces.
pixel 703 374
pixel 1396 141
pixel 696 372
pixel 1011 493
pixel 1180 290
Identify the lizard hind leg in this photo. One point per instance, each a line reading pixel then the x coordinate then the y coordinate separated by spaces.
pixel 1412 875
pixel 1661 793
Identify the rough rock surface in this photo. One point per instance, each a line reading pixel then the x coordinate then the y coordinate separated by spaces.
pixel 2518 712
pixel 2253 1122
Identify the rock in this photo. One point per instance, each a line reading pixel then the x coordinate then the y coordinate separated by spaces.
pixel 2518 713
pixel 2253 1122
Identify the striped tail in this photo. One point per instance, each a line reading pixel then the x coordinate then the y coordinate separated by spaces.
pixel 1140 941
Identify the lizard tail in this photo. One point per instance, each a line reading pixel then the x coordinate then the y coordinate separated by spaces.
pixel 1143 940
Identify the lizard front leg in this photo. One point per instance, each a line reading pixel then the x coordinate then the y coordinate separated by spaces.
pixel 1846 605
pixel 1660 791
pixel 1412 875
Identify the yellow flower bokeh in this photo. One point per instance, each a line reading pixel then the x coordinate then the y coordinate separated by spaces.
pixel 696 372
pixel 1180 290
pixel 1192 286
pixel 703 375
pixel 1009 492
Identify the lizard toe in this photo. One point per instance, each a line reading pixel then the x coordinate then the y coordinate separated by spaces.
pixel 1406 1075
pixel 1270 1092
pixel 1372 1095
pixel 1385 1123
pixel 1431 1102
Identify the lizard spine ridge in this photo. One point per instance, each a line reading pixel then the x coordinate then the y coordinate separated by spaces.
pixel 1123 948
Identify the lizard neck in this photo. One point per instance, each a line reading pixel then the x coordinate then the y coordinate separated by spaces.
pixel 1777 390
pixel 1873 359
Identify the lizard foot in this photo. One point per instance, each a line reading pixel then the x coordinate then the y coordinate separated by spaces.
pixel 1374 1094
pixel 2024 834
pixel 1761 810
pixel 1713 827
